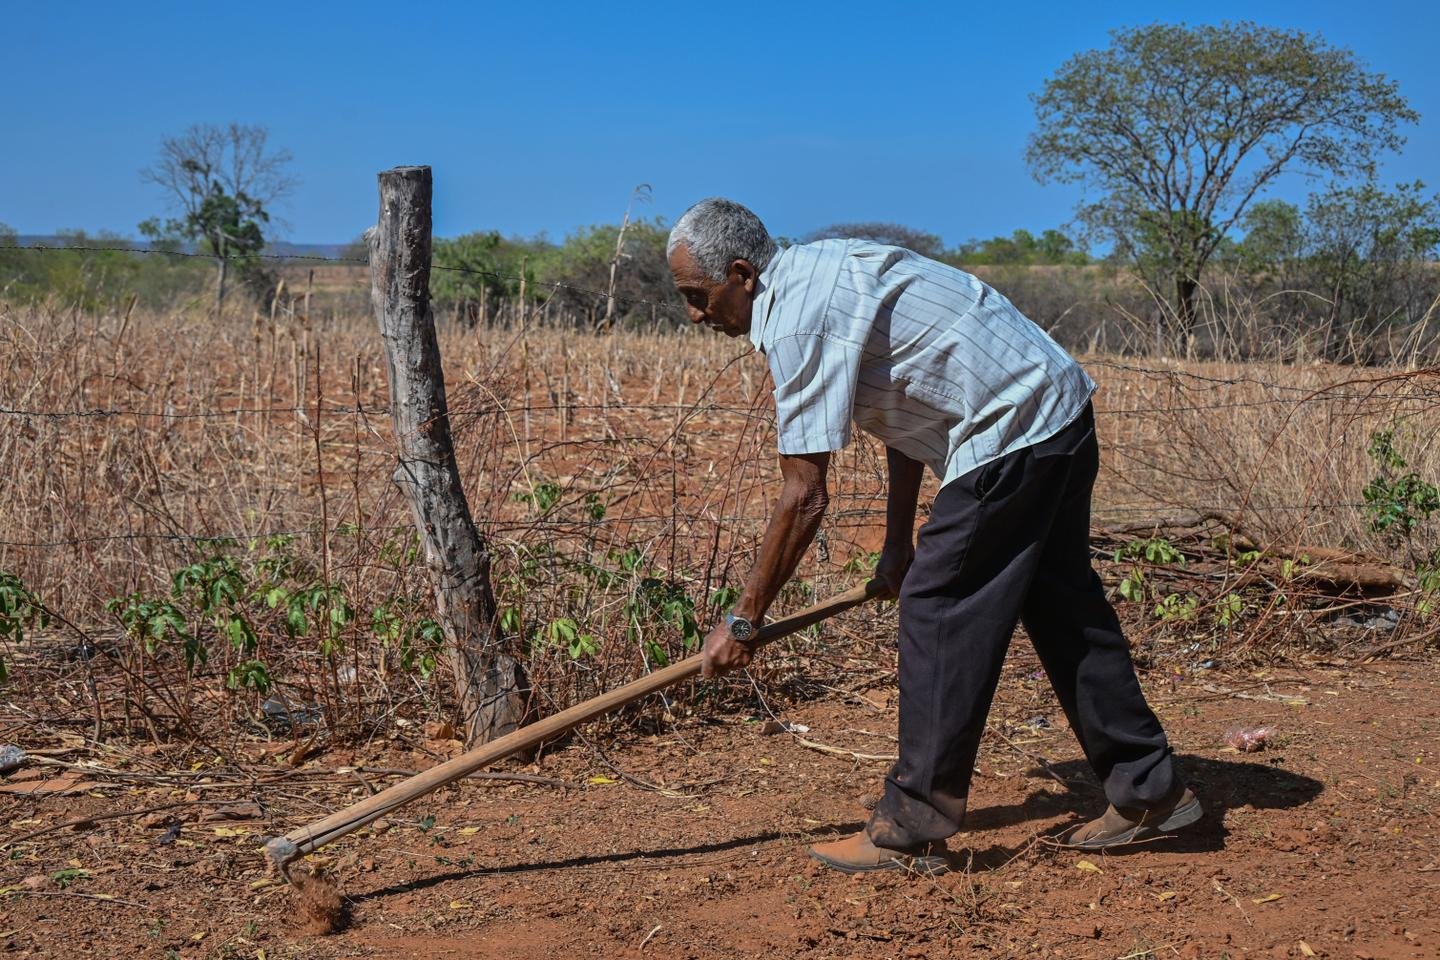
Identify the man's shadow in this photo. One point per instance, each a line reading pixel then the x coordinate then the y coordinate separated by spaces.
pixel 1220 785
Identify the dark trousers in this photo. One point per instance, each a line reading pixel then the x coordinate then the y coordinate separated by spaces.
pixel 1008 542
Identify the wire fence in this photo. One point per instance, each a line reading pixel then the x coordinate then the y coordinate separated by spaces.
pixel 1419 388
pixel 622 481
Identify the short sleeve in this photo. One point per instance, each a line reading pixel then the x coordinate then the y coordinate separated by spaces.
pixel 814 392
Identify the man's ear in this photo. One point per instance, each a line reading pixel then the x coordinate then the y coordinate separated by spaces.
pixel 745 273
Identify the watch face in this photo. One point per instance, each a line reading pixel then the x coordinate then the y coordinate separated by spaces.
pixel 741 629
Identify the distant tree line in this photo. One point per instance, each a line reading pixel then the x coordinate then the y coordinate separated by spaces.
pixel 1176 132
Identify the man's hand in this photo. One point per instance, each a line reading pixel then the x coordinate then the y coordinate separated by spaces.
pixel 724 653
pixel 894 562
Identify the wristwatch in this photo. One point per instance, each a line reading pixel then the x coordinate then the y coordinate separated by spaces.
pixel 740 628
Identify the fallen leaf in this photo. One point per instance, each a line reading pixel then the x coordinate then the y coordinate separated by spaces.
pixel 1088 867
pixel 469 831
pixel 600 781
pixel 1167 895
pixel 66 783
pixel 1268 898
pixel 1306 949
pixel 231 832
pixel 459 905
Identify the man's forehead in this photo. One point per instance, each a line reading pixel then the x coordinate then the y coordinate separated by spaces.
pixel 683 266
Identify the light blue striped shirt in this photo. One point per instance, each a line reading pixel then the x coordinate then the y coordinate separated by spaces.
pixel 925 357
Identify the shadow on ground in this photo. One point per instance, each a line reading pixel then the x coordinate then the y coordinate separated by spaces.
pixel 660 853
pixel 1220 785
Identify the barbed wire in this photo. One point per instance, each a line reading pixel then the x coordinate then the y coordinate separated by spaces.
pixel 1151 371
pixel 460 411
pixel 853 517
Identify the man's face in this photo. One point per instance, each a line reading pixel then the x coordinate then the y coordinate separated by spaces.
pixel 722 305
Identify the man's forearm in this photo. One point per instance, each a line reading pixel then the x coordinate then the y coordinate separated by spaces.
pixel 791 530
pixel 905 478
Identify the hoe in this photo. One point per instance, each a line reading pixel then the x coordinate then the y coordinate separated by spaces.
pixel 282 851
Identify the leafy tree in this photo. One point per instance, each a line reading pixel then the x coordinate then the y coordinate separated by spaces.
pixel 1023 248
pixel 482 268
pixel 1183 127
pixel 223 180
pixel 90 277
pixel 580 272
pixel 1371 253
pixel 1274 236
pixel 894 234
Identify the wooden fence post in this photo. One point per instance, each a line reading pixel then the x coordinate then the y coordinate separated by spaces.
pixel 490 682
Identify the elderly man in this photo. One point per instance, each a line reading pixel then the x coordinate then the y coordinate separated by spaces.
pixel 947 374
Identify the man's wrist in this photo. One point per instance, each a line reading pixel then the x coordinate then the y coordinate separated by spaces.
pixel 742 628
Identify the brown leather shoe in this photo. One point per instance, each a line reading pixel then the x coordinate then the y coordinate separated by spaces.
pixel 1116 827
pixel 857 854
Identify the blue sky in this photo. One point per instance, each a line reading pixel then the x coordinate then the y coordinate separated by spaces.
pixel 543 116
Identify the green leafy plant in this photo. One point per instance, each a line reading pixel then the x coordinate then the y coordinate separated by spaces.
pixel 1132 585
pixel 542 497
pixel 666 602
pixel 1176 606
pixel 1396 501
pixel 19 608
pixel 64 878
pixel 723 598
pixel 249 675
pixel 1153 550
pixel 1228 609
pixel 319 607
pixel 1247 557
pixel 1428 576
pixel 154 622
pixel 566 632
pixel 418 641
pixel 862 563
pixel 216 587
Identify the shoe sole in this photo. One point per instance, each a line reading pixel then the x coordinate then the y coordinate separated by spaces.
pixel 929 865
pixel 1177 819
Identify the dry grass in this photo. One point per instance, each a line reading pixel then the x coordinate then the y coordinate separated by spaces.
pixel 151 435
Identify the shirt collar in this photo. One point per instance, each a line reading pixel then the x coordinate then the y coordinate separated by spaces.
pixel 764 300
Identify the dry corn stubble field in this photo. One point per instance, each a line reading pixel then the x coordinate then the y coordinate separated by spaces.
pixel 623 481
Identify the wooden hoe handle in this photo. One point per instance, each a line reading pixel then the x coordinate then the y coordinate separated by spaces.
pixel 302 840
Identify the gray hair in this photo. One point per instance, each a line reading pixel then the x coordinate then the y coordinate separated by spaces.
pixel 718 232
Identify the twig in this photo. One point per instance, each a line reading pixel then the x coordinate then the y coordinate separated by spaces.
pixel 82 821
pixel 840 752
pixel 69 893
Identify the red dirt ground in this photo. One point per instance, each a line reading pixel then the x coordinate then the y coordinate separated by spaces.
pixel 1324 844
